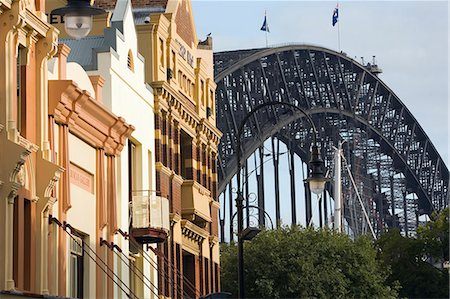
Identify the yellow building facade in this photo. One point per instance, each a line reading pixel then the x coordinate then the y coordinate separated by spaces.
pixel 28 172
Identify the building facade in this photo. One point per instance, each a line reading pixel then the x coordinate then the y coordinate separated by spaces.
pixel 92 205
pixel 28 172
pixel 179 68
pixel 58 166
pixel 86 139
pixel 144 221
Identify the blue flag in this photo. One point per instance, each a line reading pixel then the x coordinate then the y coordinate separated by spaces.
pixel 265 26
pixel 335 15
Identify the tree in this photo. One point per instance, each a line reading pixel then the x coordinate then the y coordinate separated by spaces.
pixel 297 263
pixel 435 235
pixel 411 259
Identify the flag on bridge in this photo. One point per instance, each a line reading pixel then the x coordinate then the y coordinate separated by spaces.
pixel 265 26
pixel 335 15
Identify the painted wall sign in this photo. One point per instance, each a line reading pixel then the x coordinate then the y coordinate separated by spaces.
pixel 81 178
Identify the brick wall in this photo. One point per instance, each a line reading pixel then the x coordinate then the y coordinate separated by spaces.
pixel 176 144
pixel 163 183
pixel 184 24
pixel 164 140
pixel 157 138
pixel 215 221
pixel 176 197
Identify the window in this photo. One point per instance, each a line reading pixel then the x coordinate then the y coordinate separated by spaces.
pixel 150 170
pixel 211 99
pixel 130 62
pixel 161 52
pixel 76 267
pixel 190 272
pixel 186 155
pixel 202 92
pixel 132 168
pixel 20 108
pixel 22 242
pixel 174 62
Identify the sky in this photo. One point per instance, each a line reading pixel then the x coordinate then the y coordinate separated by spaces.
pixel 410 40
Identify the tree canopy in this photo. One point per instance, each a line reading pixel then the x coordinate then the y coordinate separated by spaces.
pixel 416 263
pixel 294 262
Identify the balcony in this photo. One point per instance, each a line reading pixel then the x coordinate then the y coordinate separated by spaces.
pixel 195 203
pixel 150 217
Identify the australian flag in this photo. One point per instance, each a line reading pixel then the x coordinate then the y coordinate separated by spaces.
pixel 335 15
pixel 265 26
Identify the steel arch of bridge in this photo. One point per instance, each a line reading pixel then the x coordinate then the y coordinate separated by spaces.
pixel 347 101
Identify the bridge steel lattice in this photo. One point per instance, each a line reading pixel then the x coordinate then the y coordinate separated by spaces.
pixel 394 163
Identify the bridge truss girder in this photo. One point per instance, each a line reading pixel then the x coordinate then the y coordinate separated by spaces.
pixel 389 153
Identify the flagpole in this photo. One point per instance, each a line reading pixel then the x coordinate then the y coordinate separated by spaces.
pixel 339 31
pixel 265 18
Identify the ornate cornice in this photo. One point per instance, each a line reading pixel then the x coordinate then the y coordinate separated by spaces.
pixel 184 110
pixel 192 231
pixel 86 117
pixel 4 5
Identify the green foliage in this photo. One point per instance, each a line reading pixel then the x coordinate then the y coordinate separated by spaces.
pixel 435 235
pixel 409 259
pixel 298 263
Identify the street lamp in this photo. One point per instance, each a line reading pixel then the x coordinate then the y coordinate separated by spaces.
pixel 317 177
pixel 78 17
pixel 316 181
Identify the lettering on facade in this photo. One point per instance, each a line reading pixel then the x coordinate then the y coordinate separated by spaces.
pixel 81 178
pixel 185 54
pixel 55 19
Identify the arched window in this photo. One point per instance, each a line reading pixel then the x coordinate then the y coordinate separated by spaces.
pixel 130 62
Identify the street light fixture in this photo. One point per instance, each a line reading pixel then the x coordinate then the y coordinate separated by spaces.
pixel 78 17
pixel 249 233
pixel 316 180
pixel 317 177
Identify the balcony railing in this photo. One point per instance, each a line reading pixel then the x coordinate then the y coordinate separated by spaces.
pixel 150 217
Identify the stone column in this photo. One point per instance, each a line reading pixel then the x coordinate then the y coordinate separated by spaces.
pixel 112 219
pixel 101 220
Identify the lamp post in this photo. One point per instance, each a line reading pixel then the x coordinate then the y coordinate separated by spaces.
pixel 78 17
pixel 316 181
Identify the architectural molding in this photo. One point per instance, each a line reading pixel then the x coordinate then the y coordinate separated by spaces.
pixel 86 117
pixel 185 108
pixel 192 231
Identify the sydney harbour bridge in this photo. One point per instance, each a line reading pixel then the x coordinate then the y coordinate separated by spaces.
pixel 396 171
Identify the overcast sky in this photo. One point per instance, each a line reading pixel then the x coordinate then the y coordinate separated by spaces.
pixel 409 39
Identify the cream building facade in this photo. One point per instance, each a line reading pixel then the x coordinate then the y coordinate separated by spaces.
pixel 86 140
pixel 144 213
